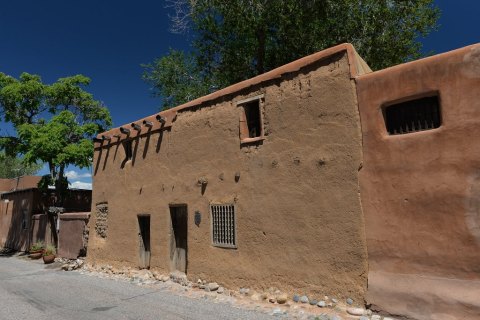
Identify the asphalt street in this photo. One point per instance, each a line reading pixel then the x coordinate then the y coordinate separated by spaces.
pixel 31 290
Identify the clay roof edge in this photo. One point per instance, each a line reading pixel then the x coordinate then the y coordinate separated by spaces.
pixel 356 64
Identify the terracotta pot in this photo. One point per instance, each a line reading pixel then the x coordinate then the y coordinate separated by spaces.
pixel 49 259
pixel 35 254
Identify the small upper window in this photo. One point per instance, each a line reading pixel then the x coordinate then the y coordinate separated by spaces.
pixel 127 145
pixel 251 124
pixel 412 116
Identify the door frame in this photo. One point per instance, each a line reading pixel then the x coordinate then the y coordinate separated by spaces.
pixel 146 263
pixel 172 234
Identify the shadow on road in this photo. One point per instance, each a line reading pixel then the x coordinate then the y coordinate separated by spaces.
pixel 6 252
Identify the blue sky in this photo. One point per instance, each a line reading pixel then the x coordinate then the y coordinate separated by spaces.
pixel 109 40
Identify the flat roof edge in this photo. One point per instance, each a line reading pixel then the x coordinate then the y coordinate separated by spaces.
pixel 430 59
pixel 356 64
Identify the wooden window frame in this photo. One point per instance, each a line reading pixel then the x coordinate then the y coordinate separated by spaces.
pixel 243 127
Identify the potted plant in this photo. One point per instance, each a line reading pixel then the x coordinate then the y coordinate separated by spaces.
pixel 36 250
pixel 49 254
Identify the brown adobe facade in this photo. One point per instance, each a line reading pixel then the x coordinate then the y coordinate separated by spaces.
pixel 281 182
pixel 317 177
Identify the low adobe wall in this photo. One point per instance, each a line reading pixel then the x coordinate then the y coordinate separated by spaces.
pixel 421 191
pixel 72 237
pixel 6 207
pixel 41 230
pixel 15 221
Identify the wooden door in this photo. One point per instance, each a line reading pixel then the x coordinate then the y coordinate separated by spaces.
pixel 144 241
pixel 178 239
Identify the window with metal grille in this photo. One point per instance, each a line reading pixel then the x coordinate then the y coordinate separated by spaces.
pixel 224 232
pixel 412 116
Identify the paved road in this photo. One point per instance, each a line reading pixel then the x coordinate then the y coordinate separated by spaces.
pixel 29 290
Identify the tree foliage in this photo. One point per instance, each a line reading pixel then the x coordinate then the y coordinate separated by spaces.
pixel 238 39
pixel 54 123
pixel 177 77
pixel 12 167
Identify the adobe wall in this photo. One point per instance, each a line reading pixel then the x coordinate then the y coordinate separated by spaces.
pixel 78 201
pixel 41 229
pixel 71 241
pixel 5 220
pixel 299 219
pixel 421 191
pixel 13 235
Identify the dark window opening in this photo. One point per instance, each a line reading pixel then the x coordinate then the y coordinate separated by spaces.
pixel 252 115
pixel 127 145
pixel 412 116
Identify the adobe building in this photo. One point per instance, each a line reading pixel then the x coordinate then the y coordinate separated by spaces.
pixel 318 177
pixel 23 220
pixel 18 201
pixel 420 185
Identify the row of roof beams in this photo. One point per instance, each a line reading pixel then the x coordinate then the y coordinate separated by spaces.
pixel 358 69
pixel 356 64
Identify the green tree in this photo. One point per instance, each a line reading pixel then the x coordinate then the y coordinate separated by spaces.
pixel 176 77
pixel 237 39
pixel 12 167
pixel 54 123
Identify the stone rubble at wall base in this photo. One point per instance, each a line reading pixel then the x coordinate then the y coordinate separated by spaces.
pixel 298 307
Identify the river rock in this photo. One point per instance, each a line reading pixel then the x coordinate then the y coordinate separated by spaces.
pixel 355 311
pixel 213 286
pixel 322 304
pixel 282 298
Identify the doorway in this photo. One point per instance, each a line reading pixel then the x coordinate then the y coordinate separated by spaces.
pixel 178 238
pixel 144 241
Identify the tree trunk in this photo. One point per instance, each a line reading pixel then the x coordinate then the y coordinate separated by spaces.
pixel 261 38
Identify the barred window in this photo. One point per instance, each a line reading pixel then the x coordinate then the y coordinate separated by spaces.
pixel 224 233
pixel 412 116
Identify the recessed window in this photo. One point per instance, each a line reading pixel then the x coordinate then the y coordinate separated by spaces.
pixel 251 123
pixel 224 233
pixel 127 145
pixel 413 116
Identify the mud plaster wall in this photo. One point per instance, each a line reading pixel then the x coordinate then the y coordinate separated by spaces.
pixel 5 220
pixel 421 191
pixel 71 236
pixel 299 220
pixel 13 235
pixel 41 229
